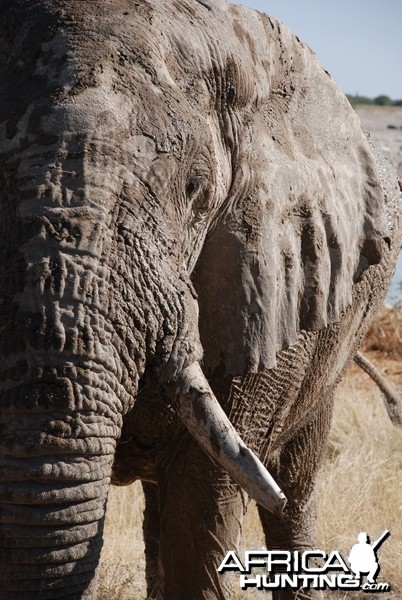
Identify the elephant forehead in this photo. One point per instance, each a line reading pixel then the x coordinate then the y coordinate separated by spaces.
pixel 97 108
pixel 157 44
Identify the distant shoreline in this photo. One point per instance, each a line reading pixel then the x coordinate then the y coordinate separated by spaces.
pixel 382 100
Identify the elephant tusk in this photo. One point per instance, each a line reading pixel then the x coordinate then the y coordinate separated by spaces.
pixel 203 416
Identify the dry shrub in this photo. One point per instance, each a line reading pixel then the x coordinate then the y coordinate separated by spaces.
pixel 385 334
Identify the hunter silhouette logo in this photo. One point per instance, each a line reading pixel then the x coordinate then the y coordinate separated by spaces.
pixel 311 569
pixel 363 559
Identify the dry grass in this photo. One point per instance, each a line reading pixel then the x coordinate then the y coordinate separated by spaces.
pixel 359 488
pixel 122 568
pixel 360 485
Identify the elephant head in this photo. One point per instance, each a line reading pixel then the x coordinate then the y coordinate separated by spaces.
pixel 144 144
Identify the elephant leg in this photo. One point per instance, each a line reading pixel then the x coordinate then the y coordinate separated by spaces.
pixel 296 471
pixel 202 512
pixel 151 531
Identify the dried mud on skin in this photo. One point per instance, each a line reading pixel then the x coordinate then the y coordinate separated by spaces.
pixel 123 564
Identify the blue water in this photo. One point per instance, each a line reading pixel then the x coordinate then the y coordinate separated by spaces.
pixel 395 291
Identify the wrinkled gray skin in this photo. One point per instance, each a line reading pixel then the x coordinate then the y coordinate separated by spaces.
pixel 179 180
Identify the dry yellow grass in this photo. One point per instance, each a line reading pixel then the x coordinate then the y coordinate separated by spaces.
pixel 359 489
pixel 122 568
pixel 360 485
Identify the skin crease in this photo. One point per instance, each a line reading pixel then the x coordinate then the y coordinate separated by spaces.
pixel 180 182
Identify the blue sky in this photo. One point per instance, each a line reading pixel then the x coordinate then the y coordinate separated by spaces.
pixel 358 41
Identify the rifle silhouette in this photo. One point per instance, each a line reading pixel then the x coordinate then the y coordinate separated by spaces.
pixel 380 540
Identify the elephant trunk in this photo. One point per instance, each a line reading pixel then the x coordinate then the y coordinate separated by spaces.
pixel 61 398
pixel 79 326
pixel 65 383
pixel 55 465
pixel 87 301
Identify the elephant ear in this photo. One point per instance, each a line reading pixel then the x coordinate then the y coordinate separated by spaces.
pixel 306 215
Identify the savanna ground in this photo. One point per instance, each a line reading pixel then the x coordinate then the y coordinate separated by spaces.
pixel 360 484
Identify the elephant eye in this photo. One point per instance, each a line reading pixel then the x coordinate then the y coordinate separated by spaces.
pixel 192 187
pixel 197 191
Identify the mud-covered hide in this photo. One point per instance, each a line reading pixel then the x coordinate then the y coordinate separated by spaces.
pixel 307 214
pixel 295 213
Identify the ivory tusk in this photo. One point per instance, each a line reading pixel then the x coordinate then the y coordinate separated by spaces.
pixel 203 416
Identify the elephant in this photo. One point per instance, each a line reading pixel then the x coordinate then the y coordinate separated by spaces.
pixel 195 236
